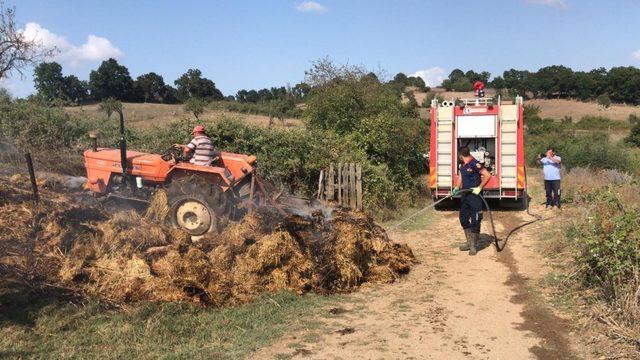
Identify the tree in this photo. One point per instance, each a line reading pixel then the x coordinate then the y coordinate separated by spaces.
pixel 463 84
pixel 195 106
pixel 51 85
pixel 418 82
pixel 241 95
pixel 169 95
pixel 430 96
pixel 624 84
pixel 16 51
pixel 498 83
pixel 151 86
pixel 111 80
pixel 48 80
pixel 447 84
pixel 411 97
pixel 456 75
pixel 252 96
pixel 109 106
pixel 301 90
pixel 344 96
pixel 517 81
pixel 278 108
pixel 192 85
pixel 75 90
pixel 556 80
pixel 401 78
pixel 604 101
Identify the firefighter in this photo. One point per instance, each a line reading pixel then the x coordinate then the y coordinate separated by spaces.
pixel 203 151
pixel 473 177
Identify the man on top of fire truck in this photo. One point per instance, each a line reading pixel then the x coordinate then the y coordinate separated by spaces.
pixel 473 177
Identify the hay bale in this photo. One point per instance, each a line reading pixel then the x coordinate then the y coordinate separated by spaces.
pixel 128 232
pixel 380 274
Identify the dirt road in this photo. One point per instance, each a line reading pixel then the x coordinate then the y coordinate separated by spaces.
pixel 451 305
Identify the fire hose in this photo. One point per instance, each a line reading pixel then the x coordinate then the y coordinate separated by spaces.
pixel 497 241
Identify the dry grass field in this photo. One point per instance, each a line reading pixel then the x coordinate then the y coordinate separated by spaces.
pixel 143 116
pixel 558 108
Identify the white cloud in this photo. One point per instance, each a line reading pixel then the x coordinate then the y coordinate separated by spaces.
pixel 636 55
pixel 561 4
pixel 311 7
pixel 94 49
pixel 432 76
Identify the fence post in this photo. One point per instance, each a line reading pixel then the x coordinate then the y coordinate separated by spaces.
pixel 352 186
pixel 340 183
pixel 345 185
pixel 32 176
pixel 358 186
pixel 320 184
pixel 330 189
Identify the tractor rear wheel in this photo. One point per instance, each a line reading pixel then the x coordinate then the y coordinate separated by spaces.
pixel 196 206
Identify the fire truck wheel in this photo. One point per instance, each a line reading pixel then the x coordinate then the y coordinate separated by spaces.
pixel 196 206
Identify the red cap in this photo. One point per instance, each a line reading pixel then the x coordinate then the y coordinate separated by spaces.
pixel 197 129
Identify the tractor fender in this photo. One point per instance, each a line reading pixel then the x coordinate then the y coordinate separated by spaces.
pixel 215 178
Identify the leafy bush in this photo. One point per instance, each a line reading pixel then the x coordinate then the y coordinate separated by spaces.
pixel 275 108
pixel 607 249
pixel 577 148
pixel 593 150
pixel 34 127
pixel 599 123
pixel 430 96
pixel 634 135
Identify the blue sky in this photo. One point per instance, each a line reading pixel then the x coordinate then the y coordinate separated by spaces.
pixel 255 44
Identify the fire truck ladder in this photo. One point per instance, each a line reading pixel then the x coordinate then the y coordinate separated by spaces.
pixel 509 149
pixel 444 147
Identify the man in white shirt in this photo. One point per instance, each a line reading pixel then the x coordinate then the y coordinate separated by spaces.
pixel 551 171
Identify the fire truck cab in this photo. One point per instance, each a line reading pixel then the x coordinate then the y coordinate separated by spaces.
pixel 494 134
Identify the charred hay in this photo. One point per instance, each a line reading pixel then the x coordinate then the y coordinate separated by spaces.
pixel 125 257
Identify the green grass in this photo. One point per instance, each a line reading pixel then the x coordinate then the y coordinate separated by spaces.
pixel 53 328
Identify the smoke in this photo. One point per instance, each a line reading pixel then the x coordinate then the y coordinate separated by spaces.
pixel 7 148
pixel 9 154
pixel 305 207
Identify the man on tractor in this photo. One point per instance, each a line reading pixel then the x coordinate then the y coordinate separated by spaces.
pixel 201 146
pixel 473 177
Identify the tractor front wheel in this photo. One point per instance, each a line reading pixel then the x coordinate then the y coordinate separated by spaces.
pixel 196 206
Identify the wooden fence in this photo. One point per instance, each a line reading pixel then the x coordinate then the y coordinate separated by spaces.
pixel 342 185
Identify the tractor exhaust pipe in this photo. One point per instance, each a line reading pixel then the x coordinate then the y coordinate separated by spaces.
pixel 123 148
pixel 93 136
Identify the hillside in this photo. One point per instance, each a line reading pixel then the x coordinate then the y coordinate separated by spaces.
pixel 144 116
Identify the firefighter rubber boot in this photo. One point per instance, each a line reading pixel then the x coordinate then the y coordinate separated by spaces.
pixel 466 246
pixel 475 237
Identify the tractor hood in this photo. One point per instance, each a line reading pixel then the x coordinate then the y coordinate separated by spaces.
pixel 102 163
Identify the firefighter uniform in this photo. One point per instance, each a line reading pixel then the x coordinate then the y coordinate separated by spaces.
pixel 470 204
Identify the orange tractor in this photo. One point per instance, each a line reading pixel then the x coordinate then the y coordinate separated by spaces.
pixel 200 197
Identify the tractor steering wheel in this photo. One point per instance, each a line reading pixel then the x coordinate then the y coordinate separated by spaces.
pixel 175 153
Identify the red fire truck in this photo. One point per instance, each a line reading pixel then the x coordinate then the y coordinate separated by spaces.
pixel 493 131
